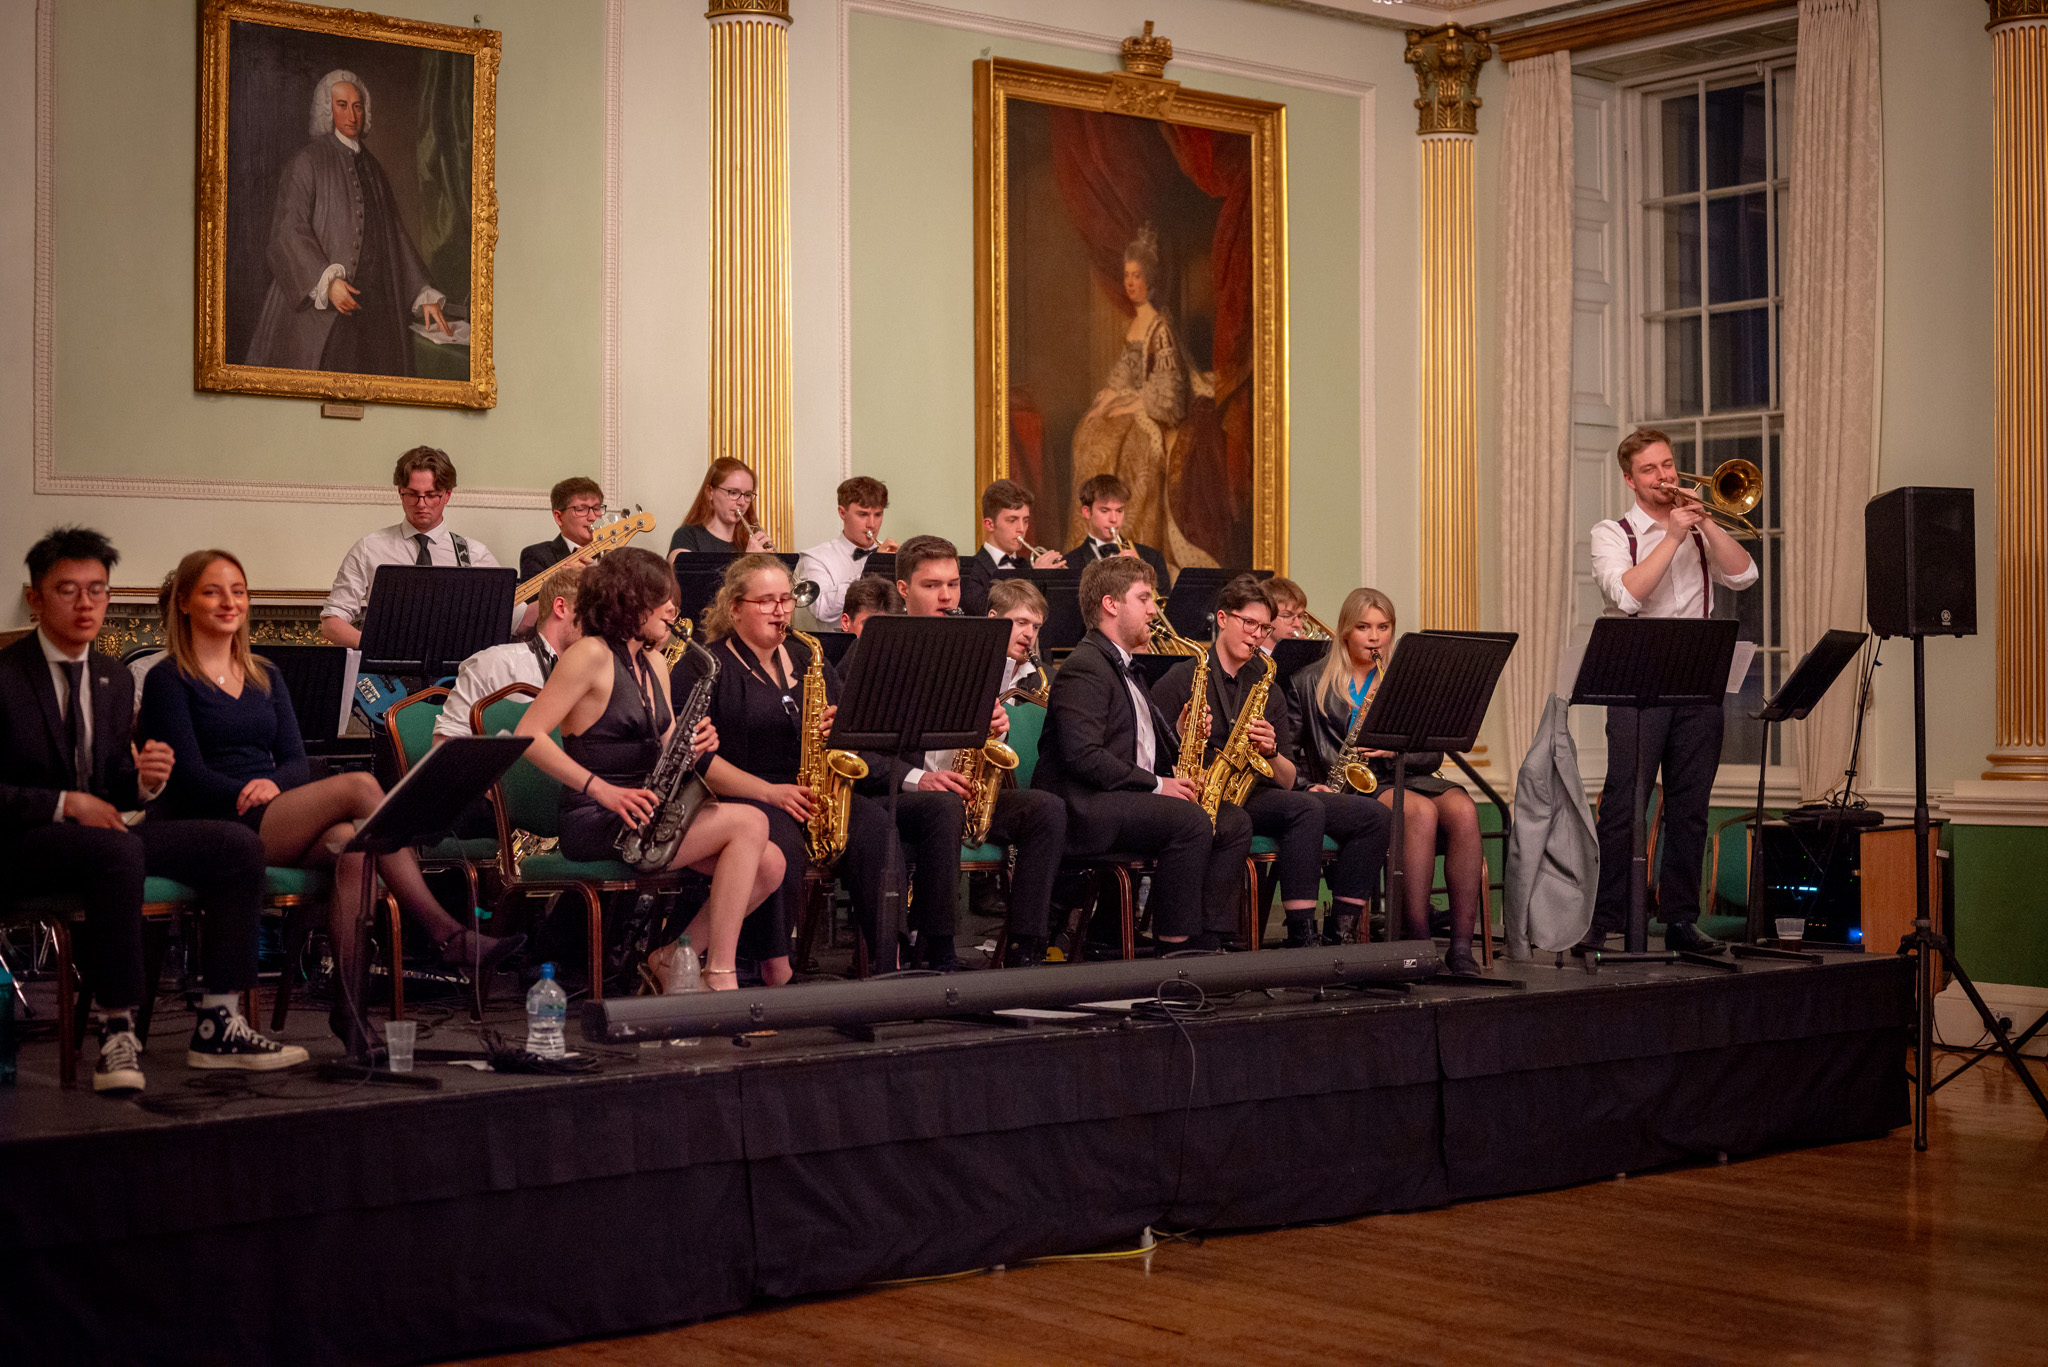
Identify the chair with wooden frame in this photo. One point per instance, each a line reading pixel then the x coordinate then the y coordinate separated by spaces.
pixel 527 803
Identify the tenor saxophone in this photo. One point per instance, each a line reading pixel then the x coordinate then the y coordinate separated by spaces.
pixel 983 767
pixel 1239 765
pixel 829 774
pixel 652 847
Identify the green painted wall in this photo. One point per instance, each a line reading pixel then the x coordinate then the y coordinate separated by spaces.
pixel 2001 913
pixel 911 141
pixel 127 84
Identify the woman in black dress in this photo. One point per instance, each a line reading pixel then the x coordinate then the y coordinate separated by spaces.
pixel 758 705
pixel 610 695
pixel 227 714
pixel 1327 700
pixel 718 520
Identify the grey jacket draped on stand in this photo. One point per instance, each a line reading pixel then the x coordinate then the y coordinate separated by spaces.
pixel 1553 868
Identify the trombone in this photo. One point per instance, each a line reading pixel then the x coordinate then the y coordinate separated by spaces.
pixel 1726 496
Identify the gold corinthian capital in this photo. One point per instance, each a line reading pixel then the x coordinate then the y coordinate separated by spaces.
pixel 1447 62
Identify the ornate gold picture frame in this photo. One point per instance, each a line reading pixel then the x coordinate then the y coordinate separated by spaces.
pixel 347 205
pixel 1130 297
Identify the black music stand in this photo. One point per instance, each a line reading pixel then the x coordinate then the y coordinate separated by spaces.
pixel 1644 662
pixel 317 679
pixel 1191 607
pixel 425 620
pixel 419 807
pixel 1294 655
pixel 1064 626
pixel 1433 697
pixel 917 683
pixel 1798 695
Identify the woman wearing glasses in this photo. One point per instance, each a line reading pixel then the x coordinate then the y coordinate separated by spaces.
pixel 722 518
pixel 1328 699
pixel 757 704
pixel 610 697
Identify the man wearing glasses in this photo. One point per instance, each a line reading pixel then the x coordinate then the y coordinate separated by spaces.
pixel 1295 821
pixel 425 478
pixel 578 505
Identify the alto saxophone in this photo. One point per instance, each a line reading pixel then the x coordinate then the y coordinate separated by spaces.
pixel 652 847
pixel 983 767
pixel 1194 729
pixel 1352 770
pixel 1167 641
pixel 829 774
pixel 1239 765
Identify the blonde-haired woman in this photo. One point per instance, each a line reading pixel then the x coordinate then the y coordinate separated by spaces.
pixel 719 518
pixel 226 713
pixel 1328 700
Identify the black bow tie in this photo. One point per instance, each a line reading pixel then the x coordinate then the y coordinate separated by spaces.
pixel 862 552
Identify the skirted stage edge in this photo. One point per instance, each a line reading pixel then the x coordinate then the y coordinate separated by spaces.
pixel 329 1224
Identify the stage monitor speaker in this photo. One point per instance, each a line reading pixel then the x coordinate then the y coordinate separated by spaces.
pixel 1920 562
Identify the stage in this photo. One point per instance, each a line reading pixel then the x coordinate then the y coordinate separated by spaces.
pixel 294 1220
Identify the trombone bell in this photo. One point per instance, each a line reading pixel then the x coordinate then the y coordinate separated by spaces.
pixel 1728 495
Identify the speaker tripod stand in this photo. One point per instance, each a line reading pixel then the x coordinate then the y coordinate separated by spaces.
pixel 1928 947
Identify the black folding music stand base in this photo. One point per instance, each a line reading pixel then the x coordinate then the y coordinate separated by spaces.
pixel 1801 692
pixel 917 683
pixel 453 774
pixel 1434 697
pixel 1641 663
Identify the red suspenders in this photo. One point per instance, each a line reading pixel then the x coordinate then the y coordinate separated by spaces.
pixel 1699 544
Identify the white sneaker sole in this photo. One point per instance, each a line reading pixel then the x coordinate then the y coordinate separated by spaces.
pixel 126 1080
pixel 290 1056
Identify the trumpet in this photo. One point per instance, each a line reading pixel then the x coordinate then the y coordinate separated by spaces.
pixel 880 543
pixel 1032 552
pixel 1116 534
pixel 752 531
pixel 1726 496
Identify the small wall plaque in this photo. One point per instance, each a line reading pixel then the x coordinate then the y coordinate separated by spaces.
pixel 341 410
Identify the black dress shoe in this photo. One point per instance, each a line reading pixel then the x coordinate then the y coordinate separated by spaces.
pixel 1688 938
pixel 1302 935
pixel 1594 942
pixel 1025 951
pixel 1460 963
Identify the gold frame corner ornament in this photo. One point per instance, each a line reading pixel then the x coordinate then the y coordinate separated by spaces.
pixel 1447 60
pixel 212 371
pixel 997 81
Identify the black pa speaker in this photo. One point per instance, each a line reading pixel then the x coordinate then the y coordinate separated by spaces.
pixel 1920 562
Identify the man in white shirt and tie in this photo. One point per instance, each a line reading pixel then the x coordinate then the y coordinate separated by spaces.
pixel 862 502
pixel 1661 558
pixel 425 479
pixel 528 660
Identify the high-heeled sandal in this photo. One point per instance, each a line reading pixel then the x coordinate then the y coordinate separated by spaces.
pixel 491 953
pixel 705 975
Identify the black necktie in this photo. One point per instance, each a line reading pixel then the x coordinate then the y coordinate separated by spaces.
pixel 425 557
pixel 74 725
pixel 861 553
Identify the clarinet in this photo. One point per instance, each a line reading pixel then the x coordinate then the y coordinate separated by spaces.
pixel 652 847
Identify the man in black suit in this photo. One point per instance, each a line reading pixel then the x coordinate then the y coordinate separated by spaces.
pixel 1102 506
pixel 1005 531
pixel 68 769
pixel 1108 751
pixel 578 503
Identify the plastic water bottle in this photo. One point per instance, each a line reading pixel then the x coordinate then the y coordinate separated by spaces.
pixel 10 1039
pixel 546 1007
pixel 691 980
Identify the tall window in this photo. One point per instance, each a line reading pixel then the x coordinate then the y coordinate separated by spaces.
pixel 1713 201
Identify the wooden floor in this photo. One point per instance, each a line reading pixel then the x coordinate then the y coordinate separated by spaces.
pixel 1856 1254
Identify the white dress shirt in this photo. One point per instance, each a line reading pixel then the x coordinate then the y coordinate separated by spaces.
pixel 483 674
pixel 1148 743
pixel 1684 591
pixel 395 546
pixel 832 567
pixel 943 759
pixel 61 681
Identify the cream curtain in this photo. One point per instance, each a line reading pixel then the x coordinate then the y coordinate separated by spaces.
pixel 1833 281
pixel 1535 386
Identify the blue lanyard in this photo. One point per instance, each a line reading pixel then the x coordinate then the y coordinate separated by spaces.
pixel 1358 692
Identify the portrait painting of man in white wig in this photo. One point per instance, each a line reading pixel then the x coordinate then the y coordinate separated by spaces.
pixel 347 283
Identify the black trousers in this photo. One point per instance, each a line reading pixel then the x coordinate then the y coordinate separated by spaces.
pixel 1685 742
pixel 222 861
pixel 1036 824
pixel 1295 822
pixel 862 869
pixel 930 825
pixel 1362 829
pixel 1200 872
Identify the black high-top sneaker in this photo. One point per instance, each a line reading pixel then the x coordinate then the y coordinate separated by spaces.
pixel 1301 934
pixel 222 1039
pixel 120 1065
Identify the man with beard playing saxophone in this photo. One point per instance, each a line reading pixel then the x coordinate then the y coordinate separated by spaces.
pixel 1295 821
pixel 928 569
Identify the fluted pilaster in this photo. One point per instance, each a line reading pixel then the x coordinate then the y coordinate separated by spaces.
pixel 2019 216
pixel 751 351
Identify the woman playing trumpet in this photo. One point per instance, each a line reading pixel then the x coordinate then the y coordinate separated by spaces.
pixel 1329 700
pixel 722 518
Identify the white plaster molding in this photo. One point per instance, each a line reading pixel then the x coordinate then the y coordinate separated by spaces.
pixel 608 338
pixel 43 421
pixel 1997 802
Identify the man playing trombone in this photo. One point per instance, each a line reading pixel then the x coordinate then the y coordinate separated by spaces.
pixel 1661 558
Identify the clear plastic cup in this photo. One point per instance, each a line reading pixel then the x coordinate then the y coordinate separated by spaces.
pixel 399 1038
pixel 1791 929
